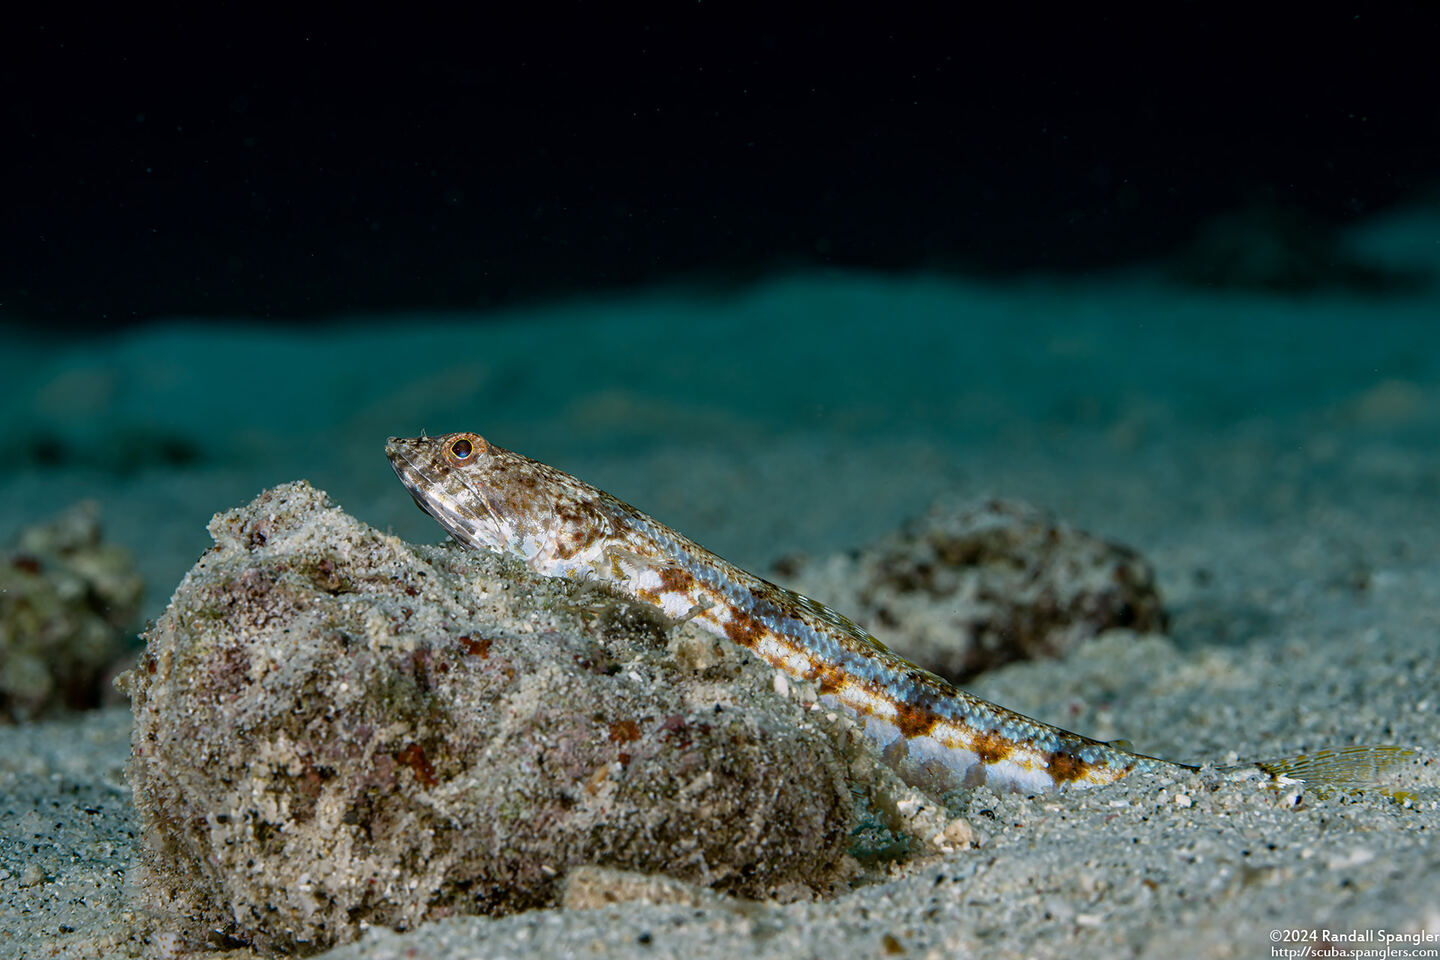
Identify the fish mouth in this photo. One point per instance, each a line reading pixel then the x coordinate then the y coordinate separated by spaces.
pixel 408 464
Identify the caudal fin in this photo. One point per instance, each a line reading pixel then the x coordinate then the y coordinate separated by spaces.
pixel 1344 768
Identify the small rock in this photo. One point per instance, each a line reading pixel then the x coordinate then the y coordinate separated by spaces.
pixel 966 590
pixel 68 603
pixel 589 888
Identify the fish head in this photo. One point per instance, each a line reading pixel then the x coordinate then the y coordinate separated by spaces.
pixel 478 491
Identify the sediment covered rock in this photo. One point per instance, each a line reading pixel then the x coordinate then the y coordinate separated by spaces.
pixel 335 729
pixel 68 604
pixel 969 588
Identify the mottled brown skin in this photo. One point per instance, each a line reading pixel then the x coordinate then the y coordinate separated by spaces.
pixel 745 631
pixel 991 748
pixel 914 721
pixel 827 678
pixel 1067 768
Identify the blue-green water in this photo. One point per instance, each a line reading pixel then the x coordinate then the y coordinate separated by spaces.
pixel 803 412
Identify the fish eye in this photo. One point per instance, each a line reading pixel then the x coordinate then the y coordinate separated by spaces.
pixel 463 449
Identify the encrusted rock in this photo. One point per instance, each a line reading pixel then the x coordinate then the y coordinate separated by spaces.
pixel 334 729
pixel 965 590
pixel 68 603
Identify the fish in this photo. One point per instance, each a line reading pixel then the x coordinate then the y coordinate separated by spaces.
pixel 935 736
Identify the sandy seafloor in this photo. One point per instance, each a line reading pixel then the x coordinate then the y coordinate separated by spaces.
pixel 1277 459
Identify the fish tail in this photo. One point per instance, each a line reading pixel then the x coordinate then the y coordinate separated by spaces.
pixel 1347 769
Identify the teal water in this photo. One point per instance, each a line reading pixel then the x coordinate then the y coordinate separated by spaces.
pixel 801 412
